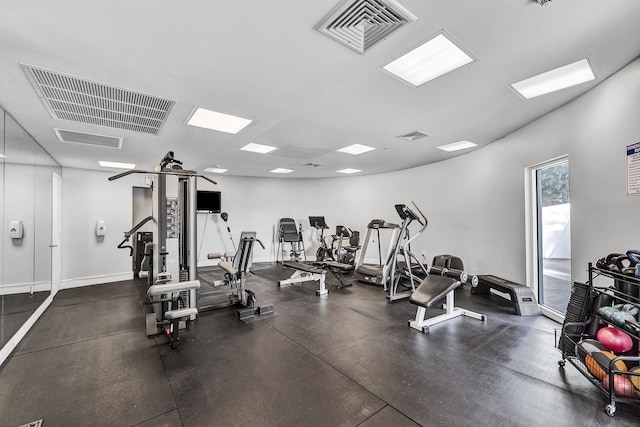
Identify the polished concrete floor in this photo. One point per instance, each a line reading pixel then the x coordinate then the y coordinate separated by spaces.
pixel 343 359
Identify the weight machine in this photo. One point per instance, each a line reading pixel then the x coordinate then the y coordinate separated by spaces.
pixel 172 253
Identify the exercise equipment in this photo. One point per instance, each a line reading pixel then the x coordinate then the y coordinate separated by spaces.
pixel 406 269
pixel 288 232
pixel 622 387
pixel 235 269
pixel 324 252
pixel 377 274
pixel 634 376
pixel 588 346
pixel 598 363
pixel 305 273
pixel 345 244
pixel 225 217
pixel 430 291
pixel 614 339
pixel 173 250
pixel 168 297
pixel 522 297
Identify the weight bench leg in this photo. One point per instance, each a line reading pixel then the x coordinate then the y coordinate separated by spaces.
pixel 323 286
pixel 421 324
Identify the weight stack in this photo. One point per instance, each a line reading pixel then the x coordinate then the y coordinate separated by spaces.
pixel 578 311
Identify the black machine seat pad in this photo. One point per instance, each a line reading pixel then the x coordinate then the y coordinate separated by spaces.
pixel 432 289
pixel 334 264
pixel 303 267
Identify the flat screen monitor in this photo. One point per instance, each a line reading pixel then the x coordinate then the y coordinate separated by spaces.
pixel 209 201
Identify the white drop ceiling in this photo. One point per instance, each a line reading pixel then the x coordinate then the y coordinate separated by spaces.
pixel 307 94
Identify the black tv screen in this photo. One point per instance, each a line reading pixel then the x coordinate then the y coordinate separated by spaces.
pixel 209 201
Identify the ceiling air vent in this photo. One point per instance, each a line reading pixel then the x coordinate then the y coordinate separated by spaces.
pixel 85 101
pixel 359 24
pixel 88 138
pixel 412 136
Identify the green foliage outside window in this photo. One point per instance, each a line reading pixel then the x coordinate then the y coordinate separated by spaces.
pixel 554 186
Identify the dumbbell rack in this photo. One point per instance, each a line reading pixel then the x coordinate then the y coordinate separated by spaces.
pixel 573 332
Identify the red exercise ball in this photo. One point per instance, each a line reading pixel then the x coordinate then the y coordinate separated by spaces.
pixel 622 387
pixel 615 339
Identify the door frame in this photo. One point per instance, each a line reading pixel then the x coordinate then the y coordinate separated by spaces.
pixel 532 231
pixel 56 232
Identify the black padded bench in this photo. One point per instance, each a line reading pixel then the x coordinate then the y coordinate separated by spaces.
pixel 336 269
pixel 431 290
pixel 521 296
pixel 305 273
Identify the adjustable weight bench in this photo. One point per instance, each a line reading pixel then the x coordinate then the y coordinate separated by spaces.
pixel 305 273
pixel 167 311
pixel 431 290
pixel 336 269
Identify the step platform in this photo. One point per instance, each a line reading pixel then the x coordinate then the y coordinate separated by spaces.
pixel 521 296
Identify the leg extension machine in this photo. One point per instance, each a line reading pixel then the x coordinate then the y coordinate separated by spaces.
pixel 170 309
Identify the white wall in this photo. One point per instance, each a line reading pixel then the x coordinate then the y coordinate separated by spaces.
pixel 475 202
pixel 88 196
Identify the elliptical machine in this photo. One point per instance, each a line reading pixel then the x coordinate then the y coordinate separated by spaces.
pixel 406 269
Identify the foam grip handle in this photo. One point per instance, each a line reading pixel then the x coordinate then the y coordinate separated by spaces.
pixel 438 271
pixel 460 275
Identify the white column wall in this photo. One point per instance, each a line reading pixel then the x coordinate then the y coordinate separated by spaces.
pixel 475 202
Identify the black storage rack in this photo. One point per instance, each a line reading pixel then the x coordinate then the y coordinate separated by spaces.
pixel 573 332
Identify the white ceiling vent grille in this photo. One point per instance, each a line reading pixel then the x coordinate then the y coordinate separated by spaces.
pixel 412 136
pixel 88 138
pixel 359 24
pixel 85 101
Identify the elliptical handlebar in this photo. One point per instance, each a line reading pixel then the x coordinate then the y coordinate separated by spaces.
pixel 424 223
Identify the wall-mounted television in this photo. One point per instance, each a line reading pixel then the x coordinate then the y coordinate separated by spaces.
pixel 209 201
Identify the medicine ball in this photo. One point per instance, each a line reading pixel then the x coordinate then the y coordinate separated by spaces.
pixel 587 346
pixel 598 363
pixel 635 379
pixel 622 387
pixel 615 339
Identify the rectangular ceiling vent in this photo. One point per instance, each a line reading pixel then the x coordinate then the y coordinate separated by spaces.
pixel 85 101
pixel 88 138
pixel 359 24
pixel 412 136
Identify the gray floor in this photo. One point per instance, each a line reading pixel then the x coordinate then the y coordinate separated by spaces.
pixel 557 283
pixel 344 359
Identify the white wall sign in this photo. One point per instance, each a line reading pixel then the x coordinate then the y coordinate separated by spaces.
pixel 633 168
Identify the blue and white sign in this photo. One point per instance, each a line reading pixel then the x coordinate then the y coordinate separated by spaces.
pixel 633 168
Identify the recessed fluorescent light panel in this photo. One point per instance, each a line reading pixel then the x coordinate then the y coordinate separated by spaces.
pixel 116 165
pixel 349 171
pixel 216 170
pixel 553 80
pixel 258 148
pixel 281 170
pixel 455 146
pixel 428 61
pixel 2 156
pixel 217 121
pixel 356 149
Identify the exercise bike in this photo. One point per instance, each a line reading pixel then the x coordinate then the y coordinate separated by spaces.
pixel 324 252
